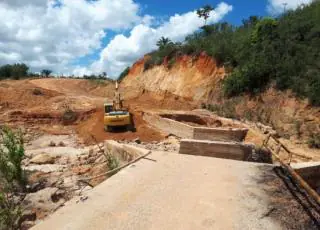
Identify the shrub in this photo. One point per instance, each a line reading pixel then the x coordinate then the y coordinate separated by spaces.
pixel 297 126
pixel 98 82
pixel 37 92
pixel 249 115
pixel 314 91
pixel 148 64
pixel 235 84
pixel 69 116
pixel 11 156
pixel 171 63
pixel 251 78
pixel 314 141
pixel 261 154
pixel 12 178
pixel 227 109
pixel 112 161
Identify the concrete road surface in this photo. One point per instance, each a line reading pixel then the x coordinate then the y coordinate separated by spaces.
pixel 174 192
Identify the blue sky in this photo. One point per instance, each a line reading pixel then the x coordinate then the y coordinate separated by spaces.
pixel 241 8
pixel 94 36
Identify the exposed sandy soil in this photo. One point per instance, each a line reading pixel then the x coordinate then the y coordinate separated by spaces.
pixel 94 126
pixel 20 107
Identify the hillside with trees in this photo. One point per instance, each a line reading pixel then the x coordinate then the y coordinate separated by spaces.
pixel 282 52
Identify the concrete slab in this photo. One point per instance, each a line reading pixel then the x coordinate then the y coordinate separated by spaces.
pixel 175 191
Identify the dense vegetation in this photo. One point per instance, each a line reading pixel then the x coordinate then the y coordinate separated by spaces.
pixel 15 71
pixel 283 51
pixel 19 71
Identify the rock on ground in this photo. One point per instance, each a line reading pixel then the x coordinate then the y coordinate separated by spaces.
pixel 44 201
pixel 43 158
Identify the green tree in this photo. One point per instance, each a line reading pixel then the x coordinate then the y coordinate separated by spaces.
pixel 163 42
pixel 5 71
pixel 19 71
pixel 15 71
pixel 46 72
pixel 204 12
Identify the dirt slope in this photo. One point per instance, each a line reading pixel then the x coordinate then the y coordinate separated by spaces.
pixel 188 78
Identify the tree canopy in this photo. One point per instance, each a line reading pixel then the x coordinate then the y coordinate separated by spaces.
pixel 15 71
pixel 163 42
pixel 46 72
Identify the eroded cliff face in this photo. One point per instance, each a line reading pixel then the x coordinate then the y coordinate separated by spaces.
pixel 192 78
pixel 200 80
pixel 291 117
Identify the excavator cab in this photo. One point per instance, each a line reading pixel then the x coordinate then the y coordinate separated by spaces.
pixel 108 107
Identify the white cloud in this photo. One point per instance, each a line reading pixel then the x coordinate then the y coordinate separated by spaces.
pixel 51 33
pixel 21 3
pixel 122 51
pixel 54 33
pixel 278 6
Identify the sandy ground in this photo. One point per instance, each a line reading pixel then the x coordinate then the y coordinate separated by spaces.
pixel 19 107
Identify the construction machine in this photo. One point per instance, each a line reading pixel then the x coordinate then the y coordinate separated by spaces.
pixel 115 115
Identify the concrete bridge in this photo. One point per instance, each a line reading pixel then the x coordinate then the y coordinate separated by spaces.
pixel 175 191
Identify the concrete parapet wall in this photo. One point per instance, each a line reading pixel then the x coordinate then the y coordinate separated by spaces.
pixel 123 152
pixel 218 149
pixel 186 131
pixel 215 134
pixel 310 171
pixel 169 126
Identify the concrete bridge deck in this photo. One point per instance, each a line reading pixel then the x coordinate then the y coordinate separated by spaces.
pixel 183 192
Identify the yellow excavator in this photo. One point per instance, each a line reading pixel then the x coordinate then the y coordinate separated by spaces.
pixel 115 115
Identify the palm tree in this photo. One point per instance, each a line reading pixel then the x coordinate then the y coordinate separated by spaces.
pixel 204 12
pixel 163 42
